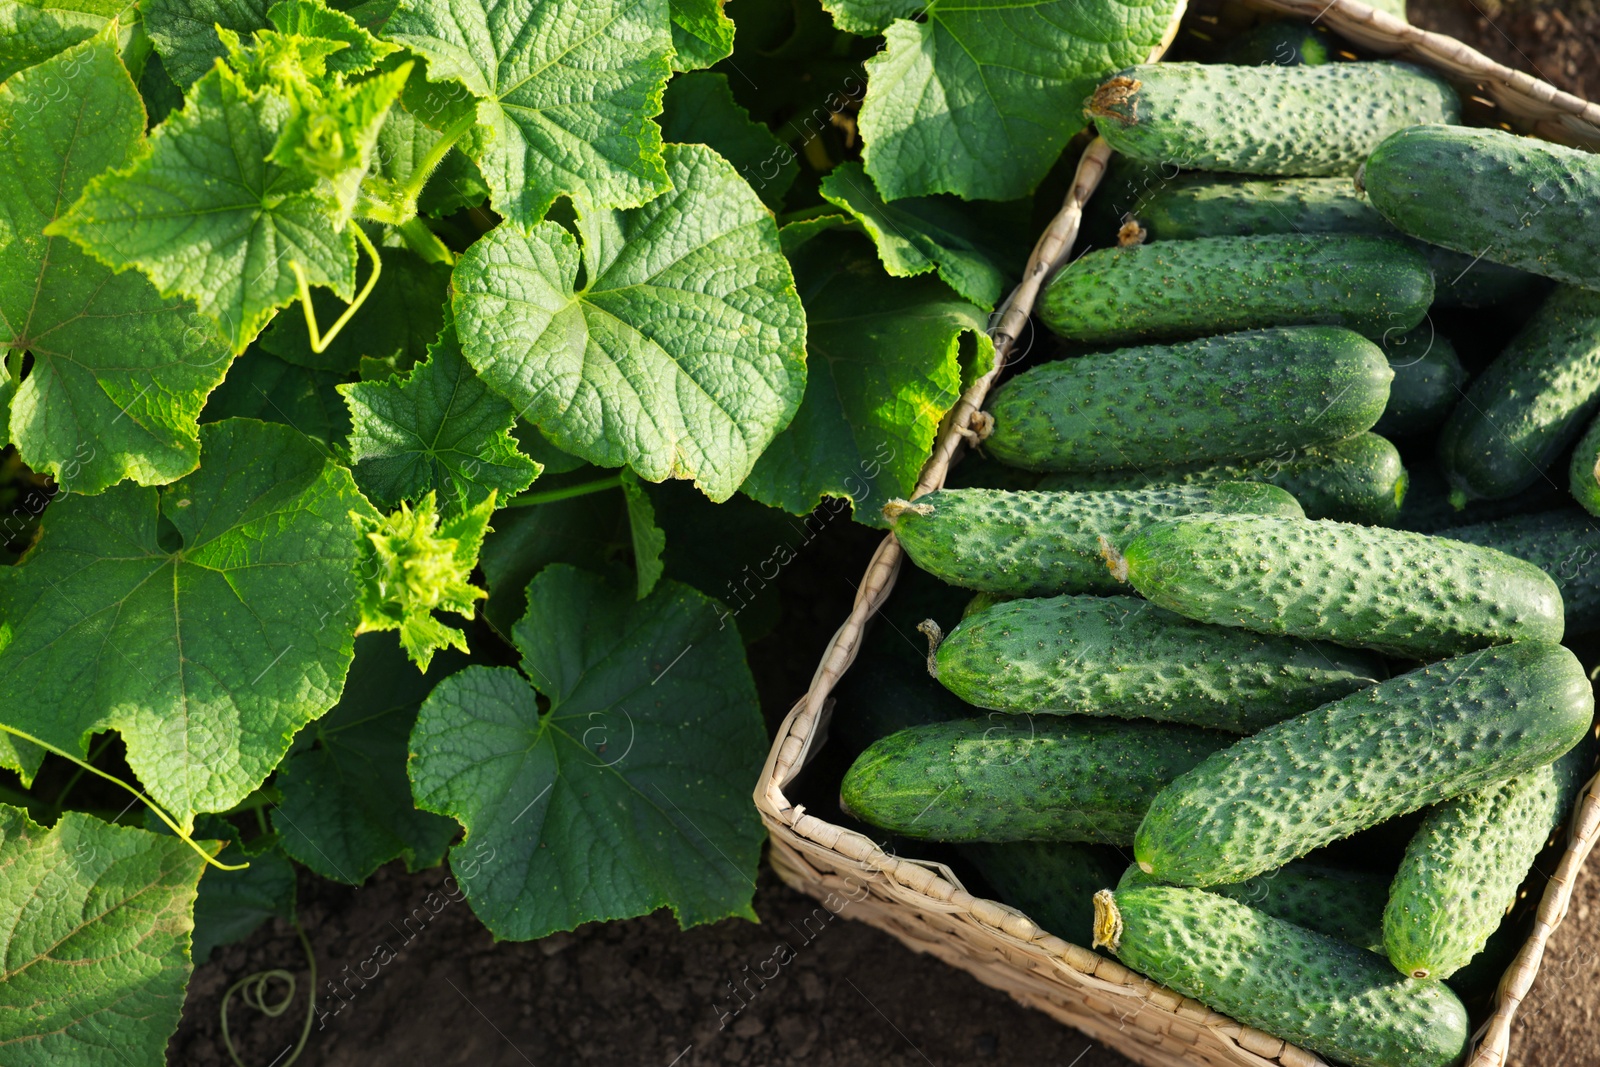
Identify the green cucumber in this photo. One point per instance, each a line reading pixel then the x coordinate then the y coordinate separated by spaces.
pixel 1462 870
pixel 1584 474
pixel 1565 544
pixel 1514 200
pixel 1122 657
pixel 1428 377
pixel 1329 900
pixel 1429 509
pixel 1359 479
pixel 1212 285
pixel 1008 779
pixel 1239 395
pixel 1039 544
pixel 1530 405
pixel 1052 882
pixel 1316 991
pixel 1438 732
pixel 1286 43
pixel 1313 120
pixel 1407 594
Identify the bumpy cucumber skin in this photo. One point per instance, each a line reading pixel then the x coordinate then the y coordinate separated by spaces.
pixel 1310 120
pixel 1052 882
pixel 1435 733
pixel 1360 479
pixel 1212 285
pixel 1462 869
pixel 1239 395
pixel 1209 205
pixel 1584 474
pixel 1122 657
pixel 1565 544
pixel 1001 779
pixel 1428 377
pixel 1516 200
pixel 1305 987
pixel 1328 900
pixel 1406 594
pixel 1039 544
pixel 1531 403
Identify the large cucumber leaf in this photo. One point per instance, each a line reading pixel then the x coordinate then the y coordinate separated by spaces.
pixel 346 807
pixel 887 359
pixel 565 89
pixel 204 215
pixel 631 793
pixel 979 97
pixel 439 430
pixel 94 931
pixel 31 31
pixel 119 373
pixel 206 621
pixel 681 356
pixel 185 35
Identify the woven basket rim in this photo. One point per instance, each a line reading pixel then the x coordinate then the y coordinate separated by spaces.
pixel 932 887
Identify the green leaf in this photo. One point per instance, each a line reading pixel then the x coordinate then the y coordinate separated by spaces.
pixel 438 431
pixel 586 531
pixel 185 36
pixel 312 18
pixel 978 99
pixel 683 354
pixel 415 565
pixel 701 34
pixel 119 373
pixel 886 359
pixel 204 215
pixel 648 539
pixel 700 109
pixel 346 808
pixel 400 319
pixel 94 931
pixel 31 31
pixel 232 904
pixel 924 234
pixel 206 621
pixel 161 94
pixel 631 793
pixel 261 386
pixel 566 90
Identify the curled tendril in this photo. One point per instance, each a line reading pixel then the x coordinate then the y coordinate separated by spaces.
pixel 253 990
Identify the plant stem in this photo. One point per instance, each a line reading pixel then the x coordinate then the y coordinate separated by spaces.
pixel 430 162
pixel 550 496
pixel 425 243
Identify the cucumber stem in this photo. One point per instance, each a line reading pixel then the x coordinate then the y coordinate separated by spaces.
pixel 1116 562
pixel 897 507
pixel 935 636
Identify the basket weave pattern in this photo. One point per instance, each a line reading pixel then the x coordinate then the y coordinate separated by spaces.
pixel 924 904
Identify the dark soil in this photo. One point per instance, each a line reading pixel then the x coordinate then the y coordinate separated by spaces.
pixel 643 993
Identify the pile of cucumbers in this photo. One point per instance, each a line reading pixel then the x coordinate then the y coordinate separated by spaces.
pixel 1218 637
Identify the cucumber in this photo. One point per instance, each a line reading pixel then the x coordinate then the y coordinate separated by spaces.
pixel 1530 405
pixel 1038 544
pixel 1329 900
pixel 1210 205
pixel 1565 544
pixel 1514 200
pixel 1407 594
pixel 1428 377
pixel 1429 509
pixel 1462 870
pixel 1359 479
pixel 1315 120
pixel 1052 882
pixel 1238 395
pixel 1212 285
pixel 1584 474
pixel 1438 732
pixel 1005 779
pixel 1317 991
pixel 1122 657
pixel 1286 43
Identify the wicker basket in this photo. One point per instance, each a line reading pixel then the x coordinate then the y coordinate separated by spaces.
pixel 923 903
